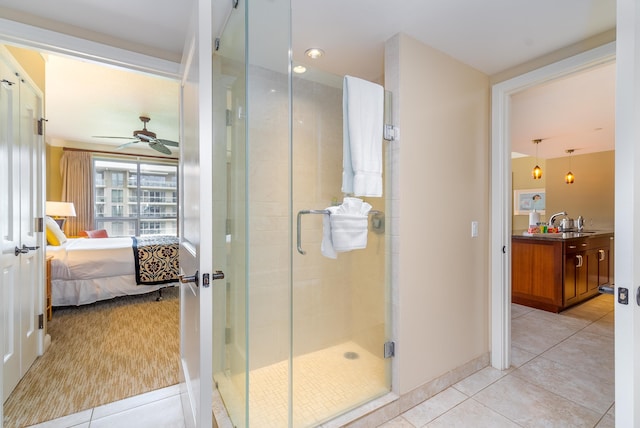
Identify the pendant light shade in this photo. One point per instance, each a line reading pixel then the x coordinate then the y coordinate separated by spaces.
pixel 537 171
pixel 569 178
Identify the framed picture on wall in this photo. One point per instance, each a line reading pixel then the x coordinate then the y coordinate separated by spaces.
pixel 526 201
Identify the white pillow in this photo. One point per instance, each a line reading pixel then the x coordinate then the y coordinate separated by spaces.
pixel 55 235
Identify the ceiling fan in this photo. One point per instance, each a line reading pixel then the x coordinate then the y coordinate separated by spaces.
pixel 146 136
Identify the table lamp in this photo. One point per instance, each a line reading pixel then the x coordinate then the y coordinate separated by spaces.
pixel 59 211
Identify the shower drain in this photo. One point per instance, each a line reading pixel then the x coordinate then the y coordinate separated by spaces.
pixel 351 355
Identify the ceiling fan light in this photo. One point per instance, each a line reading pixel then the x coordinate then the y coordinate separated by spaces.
pixel 569 178
pixel 537 173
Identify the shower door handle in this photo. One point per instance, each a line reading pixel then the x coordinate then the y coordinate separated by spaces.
pixel 299 232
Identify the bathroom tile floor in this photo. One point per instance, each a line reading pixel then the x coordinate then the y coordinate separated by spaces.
pixel 562 375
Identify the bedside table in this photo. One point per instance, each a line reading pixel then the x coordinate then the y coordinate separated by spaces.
pixel 48 308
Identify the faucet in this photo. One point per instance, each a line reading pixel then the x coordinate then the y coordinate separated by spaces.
pixel 553 217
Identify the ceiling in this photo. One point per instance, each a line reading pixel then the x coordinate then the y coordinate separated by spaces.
pixel 491 36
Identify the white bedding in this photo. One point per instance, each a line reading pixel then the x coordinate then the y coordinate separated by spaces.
pixel 92 258
pixel 88 270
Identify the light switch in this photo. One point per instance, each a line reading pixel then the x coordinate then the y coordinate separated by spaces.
pixel 474 229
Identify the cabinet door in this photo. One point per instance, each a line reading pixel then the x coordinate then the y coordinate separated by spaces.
pixel 570 279
pixel 603 266
pixel 593 269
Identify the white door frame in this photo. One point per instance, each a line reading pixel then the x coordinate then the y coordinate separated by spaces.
pixel 501 188
pixel 39 39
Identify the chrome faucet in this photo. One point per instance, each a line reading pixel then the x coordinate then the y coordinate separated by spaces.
pixel 553 217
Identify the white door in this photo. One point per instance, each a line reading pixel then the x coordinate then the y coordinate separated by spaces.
pixel 627 217
pixel 196 196
pixel 10 226
pixel 21 187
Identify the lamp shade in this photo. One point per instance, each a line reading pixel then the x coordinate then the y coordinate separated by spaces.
pixel 60 209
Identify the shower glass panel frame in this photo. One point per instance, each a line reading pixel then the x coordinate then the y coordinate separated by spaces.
pixel 298 339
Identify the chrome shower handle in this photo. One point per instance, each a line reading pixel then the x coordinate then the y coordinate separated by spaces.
pixel 299 231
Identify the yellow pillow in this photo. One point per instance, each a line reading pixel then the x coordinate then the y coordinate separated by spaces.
pixel 55 236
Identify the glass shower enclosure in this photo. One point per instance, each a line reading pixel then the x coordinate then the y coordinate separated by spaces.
pixel 298 338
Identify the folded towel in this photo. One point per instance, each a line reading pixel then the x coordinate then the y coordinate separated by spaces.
pixel 326 247
pixel 345 228
pixel 348 232
pixel 363 116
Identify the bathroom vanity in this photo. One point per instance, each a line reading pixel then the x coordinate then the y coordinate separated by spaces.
pixel 557 270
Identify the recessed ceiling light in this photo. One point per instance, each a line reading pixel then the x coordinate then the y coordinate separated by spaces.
pixel 314 53
pixel 299 69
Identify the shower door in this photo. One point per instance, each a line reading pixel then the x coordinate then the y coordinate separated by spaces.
pixel 298 339
pixel 339 306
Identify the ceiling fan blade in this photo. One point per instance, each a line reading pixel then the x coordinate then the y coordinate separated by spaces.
pixel 120 138
pixel 168 142
pixel 159 147
pixel 122 146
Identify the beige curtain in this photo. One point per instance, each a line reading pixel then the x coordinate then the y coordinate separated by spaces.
pixel 77 187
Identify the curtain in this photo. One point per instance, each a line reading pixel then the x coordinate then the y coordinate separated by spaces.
pixel 77 187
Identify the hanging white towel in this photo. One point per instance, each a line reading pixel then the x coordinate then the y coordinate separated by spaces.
pixel 363 116
pixel 346 228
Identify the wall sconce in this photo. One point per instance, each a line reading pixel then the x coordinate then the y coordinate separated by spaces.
pixel 59 211
pixel 569 178
pixel 537 171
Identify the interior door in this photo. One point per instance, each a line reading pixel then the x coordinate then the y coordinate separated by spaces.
pixel 21 190
pixel 10 226
pixel 196 195
pixel 627 213
pixel 31 208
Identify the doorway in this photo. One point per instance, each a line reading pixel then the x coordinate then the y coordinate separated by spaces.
pixel 501 188
pixel 161 71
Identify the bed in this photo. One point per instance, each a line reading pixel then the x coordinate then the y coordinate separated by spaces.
pixel 85 270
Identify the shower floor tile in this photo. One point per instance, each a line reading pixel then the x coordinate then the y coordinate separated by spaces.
pixel 325 383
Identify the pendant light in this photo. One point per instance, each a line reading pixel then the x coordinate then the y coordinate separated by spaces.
pixel 569 178
pixel 537 171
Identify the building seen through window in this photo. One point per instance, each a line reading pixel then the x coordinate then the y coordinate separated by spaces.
pixel 135 198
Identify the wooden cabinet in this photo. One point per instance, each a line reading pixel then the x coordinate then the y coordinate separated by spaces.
pixel 49 307
pixel 553 274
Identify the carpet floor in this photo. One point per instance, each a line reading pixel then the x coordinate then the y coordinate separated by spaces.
pixel 100 353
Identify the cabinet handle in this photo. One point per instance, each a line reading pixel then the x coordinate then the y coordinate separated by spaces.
pixel 600 255
pixel 578 261
pixel 583 244
pixel 572 246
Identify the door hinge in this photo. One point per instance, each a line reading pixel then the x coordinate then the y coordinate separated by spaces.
pixel 389 349
pixel 40 321
pixel 41 122
pixel 39 224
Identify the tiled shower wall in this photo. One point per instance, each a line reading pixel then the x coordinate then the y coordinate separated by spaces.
pixel 333 300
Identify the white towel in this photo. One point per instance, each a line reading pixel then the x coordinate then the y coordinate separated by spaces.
pixel 363 116
pixel 326 247
pixel 346 228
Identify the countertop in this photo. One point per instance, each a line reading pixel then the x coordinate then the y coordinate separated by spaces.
pixel 562 236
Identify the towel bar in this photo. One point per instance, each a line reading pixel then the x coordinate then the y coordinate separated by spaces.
pixel 327 212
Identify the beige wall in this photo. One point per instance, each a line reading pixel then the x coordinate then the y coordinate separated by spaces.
pixel 54 180
pixel 591 195
pixel 441 178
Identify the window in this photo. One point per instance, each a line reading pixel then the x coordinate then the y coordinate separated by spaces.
pixel 135 197
pixel 116 195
